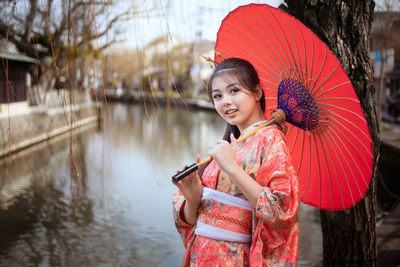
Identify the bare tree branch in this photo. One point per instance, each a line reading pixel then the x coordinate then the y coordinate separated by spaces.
pixel 29 20
pixel 40 28
pixel 106 30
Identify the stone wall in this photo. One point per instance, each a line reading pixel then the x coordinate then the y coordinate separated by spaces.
pixel 39 124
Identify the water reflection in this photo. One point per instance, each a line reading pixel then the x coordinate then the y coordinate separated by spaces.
pixel 106 200
pixel 38 217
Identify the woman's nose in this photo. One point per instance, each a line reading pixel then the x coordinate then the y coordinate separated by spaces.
pixel 227 100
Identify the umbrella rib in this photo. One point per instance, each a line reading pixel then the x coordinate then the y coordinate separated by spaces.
pixel 287 65
pixel 352 142
pixel 334 168
pixel 320 70
pixel 269 89
pixel 319 170
pixel 226 52
pixel 245 38
pixel 355 162
pixel 347 162
pixel 295 44
pixel 294 142
pixel 322 83
pixel 309 168
pixel 312 63
pixel 334 113
pixel 301 152
pixel 330 89
pixel 271 107
pixel 284 34
pixel 341 165
pixel 327 167
pixel 337 98
pixel 281 67
pixel 289 130
pixel 345 109
pixel 305 52
pixel 265 80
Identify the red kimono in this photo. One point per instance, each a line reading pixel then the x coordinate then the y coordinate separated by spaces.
pixel 273 224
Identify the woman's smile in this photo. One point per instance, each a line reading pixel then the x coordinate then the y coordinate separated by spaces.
pixel 231 112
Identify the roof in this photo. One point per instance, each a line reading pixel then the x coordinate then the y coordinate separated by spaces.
pixel 18 57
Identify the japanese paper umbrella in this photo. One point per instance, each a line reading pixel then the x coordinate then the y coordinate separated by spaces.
pixel 327 133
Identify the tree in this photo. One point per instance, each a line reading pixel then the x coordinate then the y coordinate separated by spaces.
pixel 166 62
pixel 123 64
pixel 349 237
pixel 64 32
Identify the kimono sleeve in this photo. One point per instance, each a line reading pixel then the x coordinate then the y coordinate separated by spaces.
pixel 278 201
pixel 185 230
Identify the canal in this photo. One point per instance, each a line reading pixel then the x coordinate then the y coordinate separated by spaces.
pixel 102 197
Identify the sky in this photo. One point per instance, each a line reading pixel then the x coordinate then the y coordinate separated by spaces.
pixel 185 18
pixel 182 18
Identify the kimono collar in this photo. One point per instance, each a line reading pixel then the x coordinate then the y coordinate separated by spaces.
pixel 254 125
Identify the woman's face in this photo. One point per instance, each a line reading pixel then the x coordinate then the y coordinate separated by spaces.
pixel 236 104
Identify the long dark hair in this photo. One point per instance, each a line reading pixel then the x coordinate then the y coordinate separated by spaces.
pixel 245 74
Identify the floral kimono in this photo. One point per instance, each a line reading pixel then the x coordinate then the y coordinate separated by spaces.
pixel 272 225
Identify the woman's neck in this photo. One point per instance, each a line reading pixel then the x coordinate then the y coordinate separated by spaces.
pixel 256 117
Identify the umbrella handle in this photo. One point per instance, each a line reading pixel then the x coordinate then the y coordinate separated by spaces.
pixel 180 175
pixel 276 117
pixel 190 169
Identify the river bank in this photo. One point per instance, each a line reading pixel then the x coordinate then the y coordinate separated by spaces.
pixel 155 99
pixel 38 124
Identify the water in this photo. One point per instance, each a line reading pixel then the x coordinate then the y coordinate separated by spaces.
pixel 106 200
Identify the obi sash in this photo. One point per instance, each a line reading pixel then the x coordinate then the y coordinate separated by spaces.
pixel 224 217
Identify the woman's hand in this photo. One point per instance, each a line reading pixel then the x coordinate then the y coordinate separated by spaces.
pixel 191 189
pixel 224 154
pixel 190 186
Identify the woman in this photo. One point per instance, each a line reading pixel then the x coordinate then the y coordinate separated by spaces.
pixel 241 209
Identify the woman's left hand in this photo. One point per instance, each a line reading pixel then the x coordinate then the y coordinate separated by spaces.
pixel 224 154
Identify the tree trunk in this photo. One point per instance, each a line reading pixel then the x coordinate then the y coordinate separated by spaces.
pixel 349 237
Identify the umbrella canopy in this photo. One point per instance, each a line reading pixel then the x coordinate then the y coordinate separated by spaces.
pixel 328 135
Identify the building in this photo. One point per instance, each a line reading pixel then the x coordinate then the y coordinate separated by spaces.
pixel 15 81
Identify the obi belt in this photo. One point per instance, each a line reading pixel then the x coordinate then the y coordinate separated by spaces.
pixel 224 217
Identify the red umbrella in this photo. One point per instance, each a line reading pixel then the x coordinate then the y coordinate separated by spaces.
pixel 331 144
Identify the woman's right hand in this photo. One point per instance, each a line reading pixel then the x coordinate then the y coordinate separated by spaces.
pixel 191 187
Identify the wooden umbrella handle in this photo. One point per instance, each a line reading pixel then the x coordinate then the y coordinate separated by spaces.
pixel 276 117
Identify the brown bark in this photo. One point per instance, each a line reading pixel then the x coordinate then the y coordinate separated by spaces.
pixel 349 237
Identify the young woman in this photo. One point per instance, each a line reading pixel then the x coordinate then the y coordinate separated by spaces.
pixel 241 209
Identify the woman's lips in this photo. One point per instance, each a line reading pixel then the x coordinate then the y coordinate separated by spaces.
pixel 230 112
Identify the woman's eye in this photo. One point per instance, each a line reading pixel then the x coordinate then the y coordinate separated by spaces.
pixel 234 90
pixel 216 96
